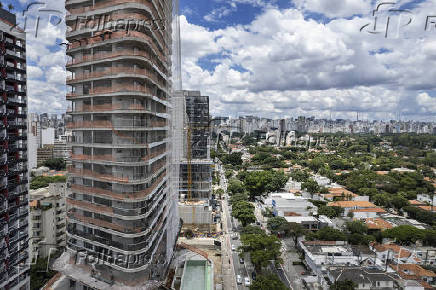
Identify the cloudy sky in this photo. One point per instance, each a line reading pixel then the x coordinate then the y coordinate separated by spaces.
pixel 282 58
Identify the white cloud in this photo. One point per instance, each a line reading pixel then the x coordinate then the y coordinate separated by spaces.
pixel 284 64
pixel 34 72
pixel 335 8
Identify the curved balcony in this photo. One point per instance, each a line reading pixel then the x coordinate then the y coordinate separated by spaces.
pixel 111 158
pixel 115 89
pixel 124 107
pixel 92 207
pixel 118 177
pixel 108 4
pixel 103 37
pixel 112 72
pixel 122 53
pixel 119 196
pixel 117 125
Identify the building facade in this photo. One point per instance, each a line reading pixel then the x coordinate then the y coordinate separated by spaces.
pixel 47 220
pixel 119 206
pixel 193 154
pixel 14 266
pixel 196 127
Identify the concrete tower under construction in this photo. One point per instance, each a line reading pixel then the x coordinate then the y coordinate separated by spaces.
pixel 122 224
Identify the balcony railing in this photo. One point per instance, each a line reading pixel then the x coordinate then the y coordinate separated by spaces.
pixel 106 4
pixel 103 36
pixel 115 195
pixel 111 107
pixel 120 176
pixel 116 71
pixel 111 158
pixel 113 89
pixel 92 207
pixel 134 124
pixel 106 55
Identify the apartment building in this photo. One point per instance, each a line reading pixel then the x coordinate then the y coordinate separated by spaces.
pixel 43 154
pixel 14 267
pixel 61 149
pixel 119 206
pixel 47 222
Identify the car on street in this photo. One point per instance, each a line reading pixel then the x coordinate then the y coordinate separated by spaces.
pixel 233 248
pixel 247 281
pixel 239 279
pixel 241 260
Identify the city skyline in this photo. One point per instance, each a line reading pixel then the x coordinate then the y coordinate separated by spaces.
pixel 347 71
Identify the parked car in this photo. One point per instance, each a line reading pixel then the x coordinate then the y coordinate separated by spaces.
pixel 247 281
pixel 241 260
pixel 233 248
pixel 239 279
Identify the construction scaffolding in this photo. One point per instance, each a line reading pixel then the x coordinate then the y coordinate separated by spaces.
pixel 192 158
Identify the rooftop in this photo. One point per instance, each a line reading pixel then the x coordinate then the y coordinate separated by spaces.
pixel 361 275
pixel 300 219
pixel 377 224
pixel 328 248
pixel 398 250
pixel 350 203
pixel 375 209
pixel 412 271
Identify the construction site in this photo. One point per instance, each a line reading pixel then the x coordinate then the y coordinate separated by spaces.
pixel 196 207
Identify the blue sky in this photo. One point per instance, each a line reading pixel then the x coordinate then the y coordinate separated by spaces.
pixel 280 58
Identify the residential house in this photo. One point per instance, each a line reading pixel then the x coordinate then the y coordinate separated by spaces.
pixel 364 277
pixel 365 213
pixel 319 255
pixel 350 205
pixel 415 272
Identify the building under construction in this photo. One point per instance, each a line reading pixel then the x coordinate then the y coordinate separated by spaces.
pixel 195 170
pixel 122 215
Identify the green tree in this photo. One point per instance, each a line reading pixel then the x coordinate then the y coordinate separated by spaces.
pixel 357 227
pixel 55 164
pixel 327 234
pixel 295 230
pixel 399 202
pixel 404 234
pixel 44 181
pixel 259 183
pixel 300 175
pixel 343 285
pixel 219 192
pixel 39 275
pixel 267 281
pixel 277 224
pixel 232 158
pixel 238 197
pixel 330 211
pixel 262 248
pixel 311 186
pixel 235 186
pixel 244 212
pixel 252 229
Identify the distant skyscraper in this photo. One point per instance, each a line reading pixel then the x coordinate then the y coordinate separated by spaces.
pixel 14 242
pixel 120 207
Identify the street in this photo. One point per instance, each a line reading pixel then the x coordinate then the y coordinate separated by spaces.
pixel 230 228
